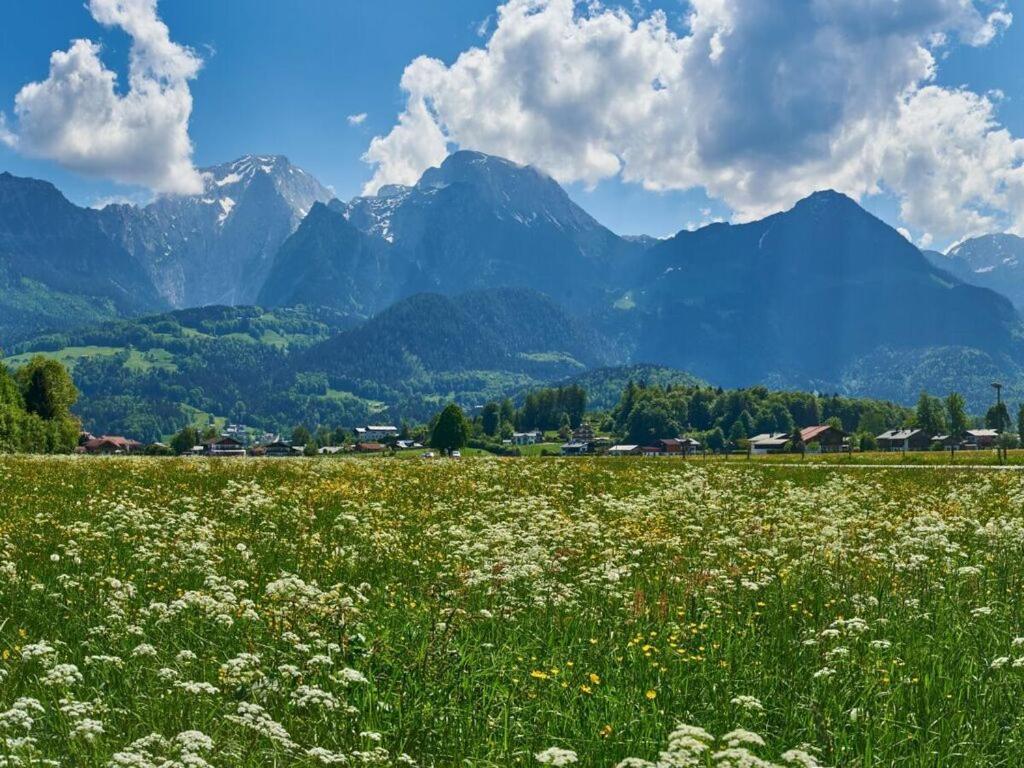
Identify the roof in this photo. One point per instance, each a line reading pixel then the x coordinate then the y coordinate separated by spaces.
pixel 623 448
pixel 377 428
pixel 114 440
pixel 810 434
pixel 224 440
pixel 983 432
pixel 770 438
pixel 898 434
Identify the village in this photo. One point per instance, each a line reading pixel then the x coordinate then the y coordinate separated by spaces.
pixel 235 441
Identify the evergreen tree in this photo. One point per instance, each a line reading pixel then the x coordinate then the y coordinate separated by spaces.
pixel 490 419
pixel 956 414
pixel 301 435
pixel 998 418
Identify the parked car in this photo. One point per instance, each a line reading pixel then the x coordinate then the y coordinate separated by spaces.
pixel 456 454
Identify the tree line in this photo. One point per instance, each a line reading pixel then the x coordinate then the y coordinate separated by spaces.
pixel 35 408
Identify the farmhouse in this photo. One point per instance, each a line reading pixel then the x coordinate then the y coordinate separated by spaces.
pixel 584 433
pixel 108 445
pixel 624 450
pixel 769 442
pixel 280 448
pixel 575 448
pixel 671 446
pixel 370 447
pixel 527 438
pixel 981 438
pixel 825 438
pixel 224 446
pixel 689 446
pixel 376 432
pixel 904 440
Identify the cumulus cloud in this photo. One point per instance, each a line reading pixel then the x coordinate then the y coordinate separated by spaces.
pixel 77 117
pixel 757 101
pixel 357 119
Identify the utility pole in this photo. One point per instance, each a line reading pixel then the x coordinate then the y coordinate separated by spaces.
pixel 998 387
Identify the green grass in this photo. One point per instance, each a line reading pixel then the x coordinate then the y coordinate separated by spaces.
pixel 492 609
pixel 68 355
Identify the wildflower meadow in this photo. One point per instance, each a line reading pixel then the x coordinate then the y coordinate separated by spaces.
pixel 520 612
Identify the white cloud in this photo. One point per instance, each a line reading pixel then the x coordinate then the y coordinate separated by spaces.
pixel 77 118
pixel 6 137
pixel 357 119
pixel 759 102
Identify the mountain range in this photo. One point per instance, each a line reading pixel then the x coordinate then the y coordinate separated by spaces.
pixel 991 261
pixel 485 276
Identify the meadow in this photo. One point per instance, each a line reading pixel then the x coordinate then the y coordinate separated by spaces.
pixel 524 612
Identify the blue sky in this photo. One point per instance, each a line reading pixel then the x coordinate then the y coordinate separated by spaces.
pixel 284 78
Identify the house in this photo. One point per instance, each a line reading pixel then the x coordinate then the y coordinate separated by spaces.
pixel 769 442
pixel 370 447
pixel 376 432
pixel 584 433
pixel 280 448
pixel 669 446
pixel 624 450
pixel 575 448
pixel 527 438
pixel 825 438
pixel 224 446
pixel 407 445
pixel 904 440
pixel 108 445
pixel 981 438
pixel 689 446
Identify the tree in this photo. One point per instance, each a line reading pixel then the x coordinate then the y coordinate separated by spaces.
pixel 565 428
pixel 796 442
pixel 47 388
pixel 716 440
pixel 301 435
pixel 185 440
pixel 929 416
pixel 956 414
pixel 490 419
pixel 998 418
pixel 451 431
pixel 649 421
pixel 1020 422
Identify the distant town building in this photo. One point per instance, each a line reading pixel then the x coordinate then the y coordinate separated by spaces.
pixel 825 438
pixel 904 440
pixel 624 450
pixel 109 445
pixel 224 446
pixel 527 438
pixel 280 449
pixel 376 432
pixel 370 447
pixel 982 438
pixel 769 442
pixel 584 433
pixel 575 448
